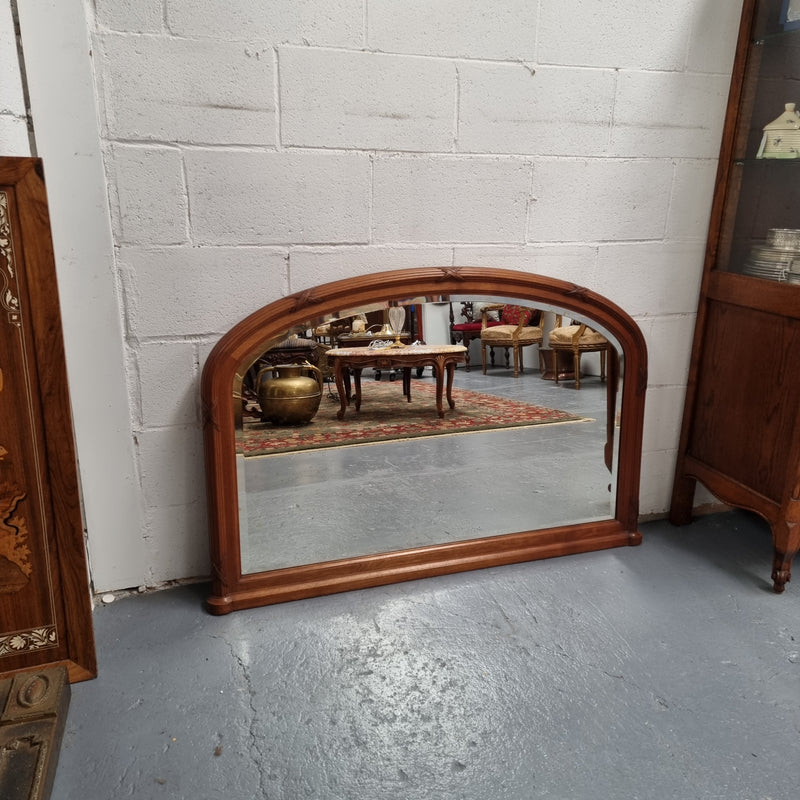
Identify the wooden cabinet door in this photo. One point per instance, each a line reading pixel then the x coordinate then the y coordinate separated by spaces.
pixel 45 605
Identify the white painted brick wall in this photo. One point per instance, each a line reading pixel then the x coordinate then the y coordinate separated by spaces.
pixel 514 108
pixel 468 28
pixel 447 199
pixel 335 23
pixel 190 292
pixel 142 16
pixel 600 200
pixel 187 90
pixel 370 101
pixel 151 202
pixel 257 148
pixel 292 197
pixel 618 33
pixel 13 125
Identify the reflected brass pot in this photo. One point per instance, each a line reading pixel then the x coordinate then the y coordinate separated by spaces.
pixel 291 396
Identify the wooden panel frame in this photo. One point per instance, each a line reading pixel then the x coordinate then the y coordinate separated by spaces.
pixel 232 590
pixel 46 620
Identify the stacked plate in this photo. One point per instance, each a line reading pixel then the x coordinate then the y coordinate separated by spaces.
pixel 778 259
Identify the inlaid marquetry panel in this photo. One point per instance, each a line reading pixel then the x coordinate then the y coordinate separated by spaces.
pixel 44 593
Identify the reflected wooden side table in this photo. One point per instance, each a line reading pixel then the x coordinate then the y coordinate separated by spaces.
pixel 442 358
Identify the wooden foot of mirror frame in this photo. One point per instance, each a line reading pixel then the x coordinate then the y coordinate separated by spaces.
pixel 229 360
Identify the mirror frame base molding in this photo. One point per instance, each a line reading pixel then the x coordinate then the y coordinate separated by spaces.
pixel 232 590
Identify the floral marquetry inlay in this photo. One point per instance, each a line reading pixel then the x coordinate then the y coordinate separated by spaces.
pixel 23 641
pixel 8 298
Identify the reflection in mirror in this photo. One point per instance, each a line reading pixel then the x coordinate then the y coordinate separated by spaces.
pixel 513 454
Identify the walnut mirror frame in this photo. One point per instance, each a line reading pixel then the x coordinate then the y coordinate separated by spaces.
pixel 233 590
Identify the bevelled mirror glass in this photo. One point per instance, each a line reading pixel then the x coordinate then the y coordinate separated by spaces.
pixel 353 439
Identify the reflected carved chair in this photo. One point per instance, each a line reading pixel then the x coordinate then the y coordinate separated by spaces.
pixel 465 332
pixel 577 339
pixel 518 327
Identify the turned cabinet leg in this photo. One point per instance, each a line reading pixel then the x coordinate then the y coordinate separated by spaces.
pixel 680 511
pixel 786 538
pixel 781 571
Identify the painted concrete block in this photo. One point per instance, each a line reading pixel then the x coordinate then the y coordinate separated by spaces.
pixel 447 199
pixel 334 23
pixel 574 263
pixel 288 197
pixel 311 266
pixel 712 42
pixel 663 414
pixel 184 90
pixel 331 98
pixel 143 16
pixel 151 195
pixel 470 28
pixel 512 108
pixel 176 542
pixel 14 139
pixel 614 34
pixel 599 200
pixel 669 345
pixel 12 100
pixel 652 278
pixel 168 387
pixel 692 193
pixel 171 466
pixel 668 114
pixel 193 291
pixel 658 474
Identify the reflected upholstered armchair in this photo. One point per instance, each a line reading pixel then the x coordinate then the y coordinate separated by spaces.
pixel 518 327
pixel 577 339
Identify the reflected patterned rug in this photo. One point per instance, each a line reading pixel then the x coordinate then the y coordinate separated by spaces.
pixel 386 414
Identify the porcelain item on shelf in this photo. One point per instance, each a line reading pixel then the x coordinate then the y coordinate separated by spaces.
pixel 778 258
pixel 782 136
pixel 784 237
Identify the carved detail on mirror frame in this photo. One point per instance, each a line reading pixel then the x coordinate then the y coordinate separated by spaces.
pixel 222 378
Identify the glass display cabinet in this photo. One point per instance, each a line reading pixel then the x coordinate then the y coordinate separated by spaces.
pixel 741 426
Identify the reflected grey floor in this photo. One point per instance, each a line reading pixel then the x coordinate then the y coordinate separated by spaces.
pixel 300 507
pixel 664 671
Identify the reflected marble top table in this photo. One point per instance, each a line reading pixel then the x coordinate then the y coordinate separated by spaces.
pixel 442 358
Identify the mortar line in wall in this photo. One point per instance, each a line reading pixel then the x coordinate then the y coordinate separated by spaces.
pixel 531 201
pixel 276 98
pixel 421 154
pixel 371 199
pixel 456 109
pixel 671 197
pixel 185 176
pixel 365 23
pixel 612 121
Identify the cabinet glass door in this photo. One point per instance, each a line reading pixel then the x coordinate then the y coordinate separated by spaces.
pixel 759 232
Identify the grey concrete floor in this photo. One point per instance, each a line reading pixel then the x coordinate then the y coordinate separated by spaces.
pixel 668 670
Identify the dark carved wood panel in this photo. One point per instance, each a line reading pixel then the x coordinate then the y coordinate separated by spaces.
pixel 45 610
pixel 748 390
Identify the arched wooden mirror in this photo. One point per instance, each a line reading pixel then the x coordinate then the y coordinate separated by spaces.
pixel 267 544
